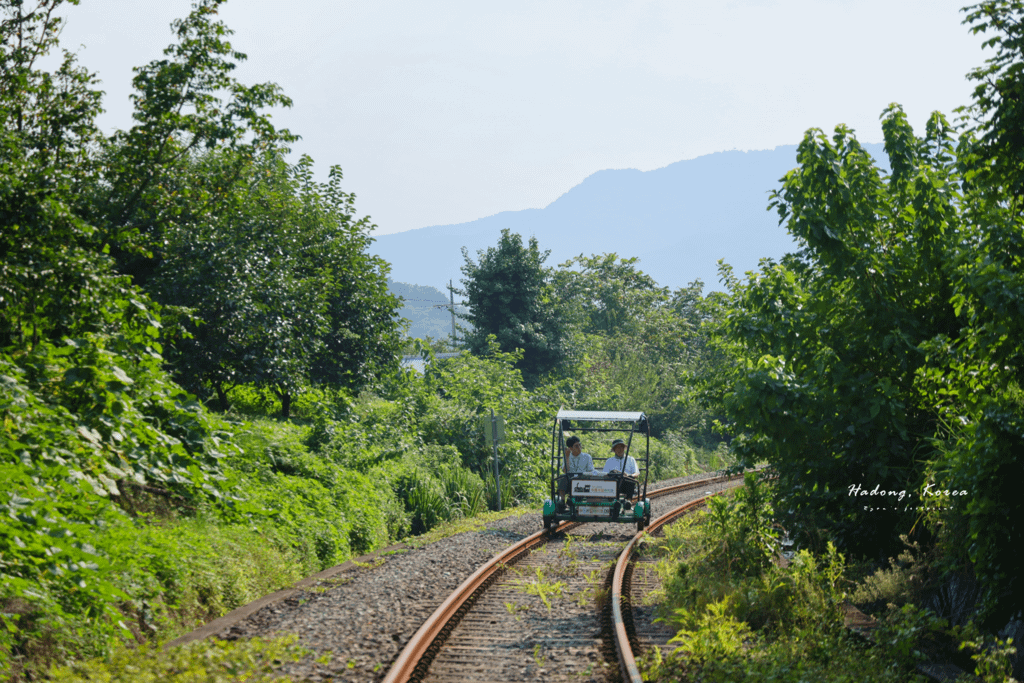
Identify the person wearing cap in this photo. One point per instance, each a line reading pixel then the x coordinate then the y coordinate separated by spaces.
pixel 622 464
pixel 576 462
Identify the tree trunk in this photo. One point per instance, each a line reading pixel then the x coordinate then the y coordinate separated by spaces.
pixel 222 396
pixel 286 403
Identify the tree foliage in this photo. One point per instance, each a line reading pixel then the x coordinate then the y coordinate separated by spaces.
pixel 508 296
pixel 832 335
pixel 90 226
pixel 608 294
pixel 473 386
pixel 181 111
pixel 974 379
pixel 264 267
pixel 998 106
pixel 638 347
pixel 886 352
pixel 54 279
pixel 280 288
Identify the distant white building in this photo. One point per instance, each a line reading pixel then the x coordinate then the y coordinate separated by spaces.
pixel 419 365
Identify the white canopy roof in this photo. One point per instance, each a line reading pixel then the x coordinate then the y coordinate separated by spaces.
pixel 597 415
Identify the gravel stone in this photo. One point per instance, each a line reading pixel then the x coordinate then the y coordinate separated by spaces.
pixel 362 617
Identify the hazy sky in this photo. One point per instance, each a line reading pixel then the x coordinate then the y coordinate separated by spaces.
pixel 444 112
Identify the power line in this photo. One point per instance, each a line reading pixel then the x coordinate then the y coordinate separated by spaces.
pixel 457 305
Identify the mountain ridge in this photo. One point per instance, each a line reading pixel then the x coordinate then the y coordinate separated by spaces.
pixel 679 220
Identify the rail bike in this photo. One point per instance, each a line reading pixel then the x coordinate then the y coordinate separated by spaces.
pixel 616 495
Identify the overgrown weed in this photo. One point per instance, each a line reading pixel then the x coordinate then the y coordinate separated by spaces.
pixel 742 616
pixel 207 661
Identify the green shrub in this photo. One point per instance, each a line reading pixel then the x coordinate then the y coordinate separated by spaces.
pixel 712 634
pixel 899 583
pixel 180 575
pixel 478 384
pixel 671 456
pixel 741 619
pixel 259 441
pixel 992 656
pixel 305 514
pixel 329 509
pixel 464 492
pixel 252 401
pixel 823 658
pixel 206 661
pixel 432 499
pixel 157 580
pixel 369 507
pixel 451 424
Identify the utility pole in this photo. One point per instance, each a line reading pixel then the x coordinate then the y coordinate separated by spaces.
pixel 494 434
pixel 451 307
pixel 451 300
pixel 494 440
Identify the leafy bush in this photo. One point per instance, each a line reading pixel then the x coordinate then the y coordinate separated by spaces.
pixel 430 499
pixel 992 657
pixel 742 617
pixel 902 581
pixel 828 658
pixel 85 422
pixel 671 456
pixel 479 384
pixel 178 576
pixel 328 509
pixel 376 430
pixel 206 661
pixel 712 635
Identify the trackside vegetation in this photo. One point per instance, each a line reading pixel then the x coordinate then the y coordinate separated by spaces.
pixel 201 395
pixel 877 370
pixel 201 398
pixel 744 612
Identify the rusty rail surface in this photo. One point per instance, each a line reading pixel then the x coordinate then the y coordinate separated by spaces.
pixel 622 622
pixel 696 484
pixel 414 660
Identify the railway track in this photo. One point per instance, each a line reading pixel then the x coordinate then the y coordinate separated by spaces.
pixel 555 605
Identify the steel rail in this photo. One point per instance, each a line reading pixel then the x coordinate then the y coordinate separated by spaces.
pixel 623 646
pixel 415 658
pixel 687 485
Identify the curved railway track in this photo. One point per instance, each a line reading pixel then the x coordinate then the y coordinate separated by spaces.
pixel 530 610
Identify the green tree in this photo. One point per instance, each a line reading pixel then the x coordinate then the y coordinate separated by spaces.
pixel 54 280
pixel 76 334
pixel 508 296
pixel 280 288
pixel 633 346
pixel 974 379
pixel 707 364
pixel 363 341
pixel 185 104
pixel 263 268
pixel 610 294
pixel 832 335
pixel 86 405
pixel 995 114
pixel 888 350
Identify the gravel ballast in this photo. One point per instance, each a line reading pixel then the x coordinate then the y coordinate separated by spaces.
pixel 362 614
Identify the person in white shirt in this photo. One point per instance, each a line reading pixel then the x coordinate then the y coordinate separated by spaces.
pixel 576 462
pixel 622 464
